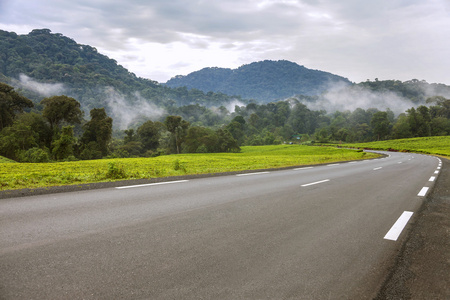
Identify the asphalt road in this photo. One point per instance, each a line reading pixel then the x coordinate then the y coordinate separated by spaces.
pixel 327 232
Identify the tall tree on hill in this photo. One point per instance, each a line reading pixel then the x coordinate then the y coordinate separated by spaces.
pixel 96 135
pixel 178 128
pixel 61 108
pixel 11 103
pixel 380 125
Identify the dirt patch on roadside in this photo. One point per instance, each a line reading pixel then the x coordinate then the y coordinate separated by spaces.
pixel 422 269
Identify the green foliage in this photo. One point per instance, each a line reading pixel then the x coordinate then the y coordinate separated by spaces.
pixel 178 166
pixel 4 160
pixel 205 140
pixel 149 134
pixel 178 128
pixel 380 124
pixel 11 103
pixel 13 139
pixel 63 147
pixel 97 134
pixel 116 171
pixel 34 155
pixel 61 108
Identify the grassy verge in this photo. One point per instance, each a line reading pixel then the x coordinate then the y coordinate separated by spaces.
pixel 437 145
pixel 26 175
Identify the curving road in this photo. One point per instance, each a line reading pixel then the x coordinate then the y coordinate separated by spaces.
pixel 323 232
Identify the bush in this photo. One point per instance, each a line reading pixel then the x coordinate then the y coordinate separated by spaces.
pixel 177 166
pixel 115 172
pixel 34 155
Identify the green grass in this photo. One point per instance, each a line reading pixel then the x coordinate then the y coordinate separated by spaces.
pixel 28 175
pixel 6 160
pixel 436 145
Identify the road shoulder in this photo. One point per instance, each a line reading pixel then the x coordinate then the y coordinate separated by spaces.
pixel 422 266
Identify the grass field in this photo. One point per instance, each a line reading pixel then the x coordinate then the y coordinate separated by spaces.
pixel 437 145
pixel 28 175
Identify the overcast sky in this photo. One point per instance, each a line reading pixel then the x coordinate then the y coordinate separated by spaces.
pixel 158 39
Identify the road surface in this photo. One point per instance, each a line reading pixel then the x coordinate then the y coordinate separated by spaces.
pixel 324 232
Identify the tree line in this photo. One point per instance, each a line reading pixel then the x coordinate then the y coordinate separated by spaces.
pixel 56 130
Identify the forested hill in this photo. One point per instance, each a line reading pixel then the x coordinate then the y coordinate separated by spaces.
pixel 264 81
pixel 43 63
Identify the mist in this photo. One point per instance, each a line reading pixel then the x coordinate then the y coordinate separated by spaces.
pixel 342 98
pixel 127 110
pixel 231 106
pixel 43 89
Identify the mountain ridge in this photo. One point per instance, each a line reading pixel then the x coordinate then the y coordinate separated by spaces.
pixel 264 81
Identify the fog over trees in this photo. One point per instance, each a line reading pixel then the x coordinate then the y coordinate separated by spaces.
pixel 60 100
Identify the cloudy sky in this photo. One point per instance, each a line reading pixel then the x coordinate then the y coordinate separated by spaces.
pixel 158 39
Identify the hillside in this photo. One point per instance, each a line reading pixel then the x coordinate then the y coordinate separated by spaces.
pixel 42 64
pixel 264 81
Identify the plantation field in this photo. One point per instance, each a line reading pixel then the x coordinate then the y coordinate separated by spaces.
pixel 437 145
pixel 33 175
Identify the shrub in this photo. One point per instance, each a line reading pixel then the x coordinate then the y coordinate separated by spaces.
pixel 34 155
pixel 115 172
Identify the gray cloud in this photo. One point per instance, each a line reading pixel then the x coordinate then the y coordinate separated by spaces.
pixel 388 39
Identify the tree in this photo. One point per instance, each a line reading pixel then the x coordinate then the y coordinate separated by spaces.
pixel 97 133
pixel 149 134
pixel 39 125
pixel 401 128
pixel 61 108
pixel 178 128
pixel 11 103
pixel 380 125
pixel 442 108
pixel 16 138
pixel 63 147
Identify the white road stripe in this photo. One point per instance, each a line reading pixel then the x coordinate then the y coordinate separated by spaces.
pixel 398 226
pixel 305 168
pixel 436 172
pixel 432 178
pixel 333 165
pixel 150 184
pixel 423 191
pixel 377 168
pixel 256 173
pixel 317 182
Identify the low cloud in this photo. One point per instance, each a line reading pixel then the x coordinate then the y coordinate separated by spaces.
pixel 342 98
pixel 231 106
pixel 43 89
pixel 127 110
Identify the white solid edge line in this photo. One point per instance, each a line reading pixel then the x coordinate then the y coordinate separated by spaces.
pixel 305 168
pixel 398 226
pixel 150 184
pixel 256 173
pixel 317 182
pixel 423 191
